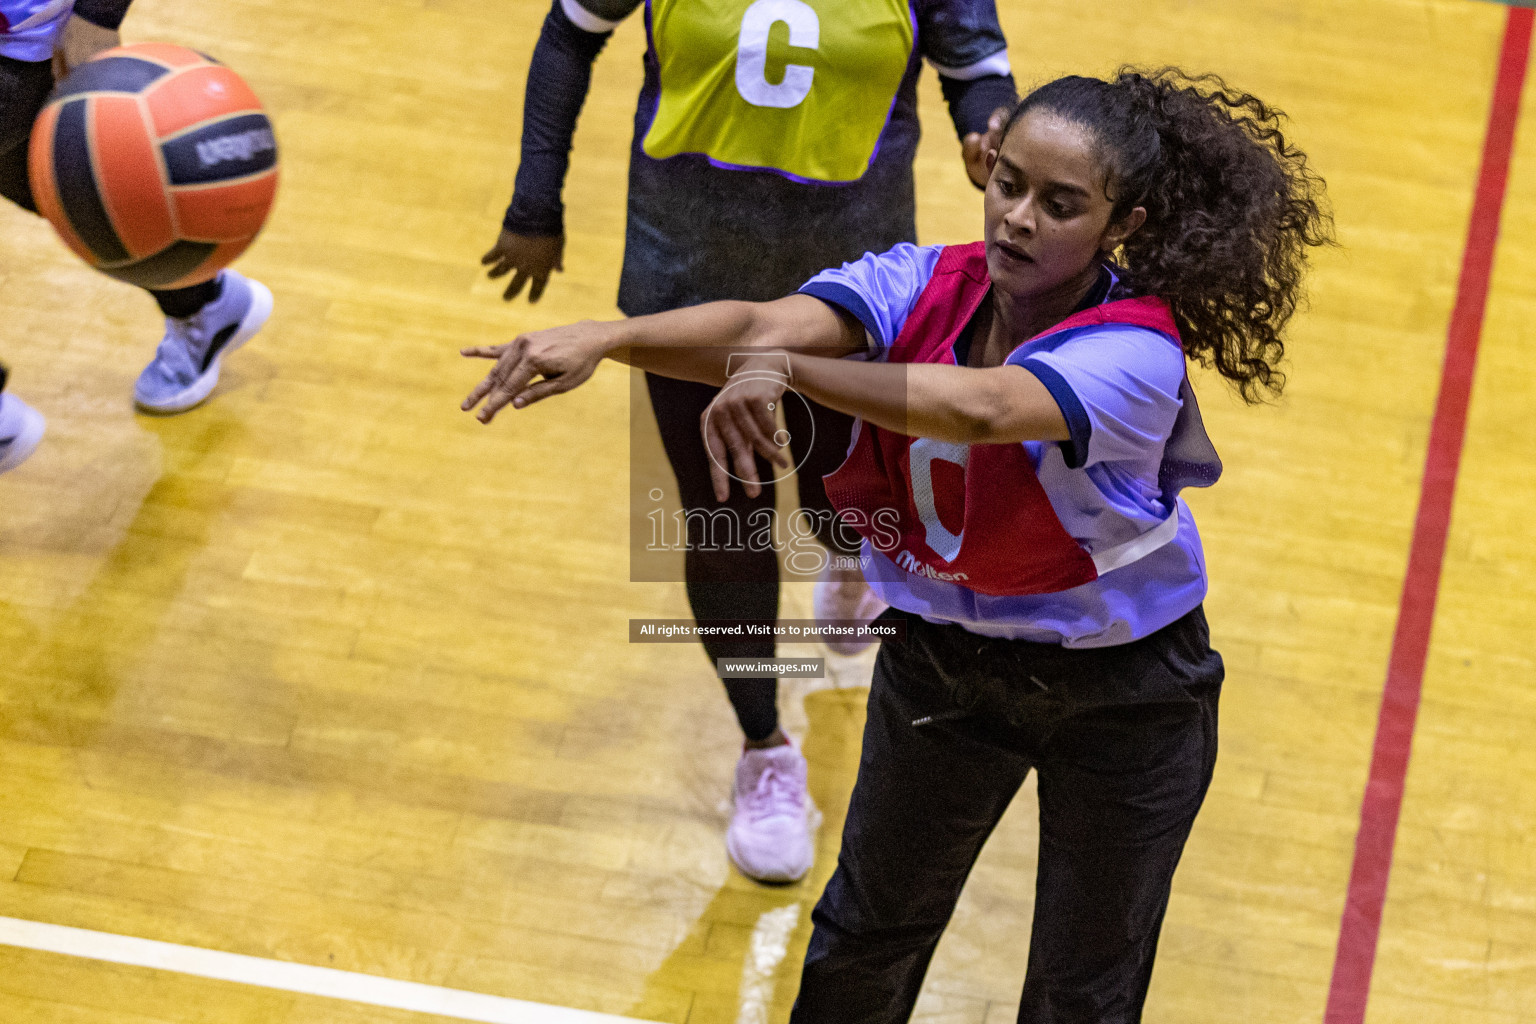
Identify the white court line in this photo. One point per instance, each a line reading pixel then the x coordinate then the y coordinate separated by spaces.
pixel 770 941
pixel 289 977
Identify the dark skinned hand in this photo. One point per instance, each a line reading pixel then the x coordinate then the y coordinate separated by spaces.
pixel 975 147
pixel 527 258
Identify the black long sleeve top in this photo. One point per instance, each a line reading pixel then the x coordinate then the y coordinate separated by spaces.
pixel 698 230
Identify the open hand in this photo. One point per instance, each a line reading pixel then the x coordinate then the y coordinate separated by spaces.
pixel 739 424
pixel 532 257
pixel 563 357
pixel 975 147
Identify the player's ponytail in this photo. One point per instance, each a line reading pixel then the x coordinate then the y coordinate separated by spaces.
pixel 1232 208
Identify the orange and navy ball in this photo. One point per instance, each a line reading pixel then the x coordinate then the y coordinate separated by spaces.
pixel 155 164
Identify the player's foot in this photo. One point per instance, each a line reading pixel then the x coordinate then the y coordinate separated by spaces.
pixel 186 365
pixel 846 598
pixel 770 834
pixel 21 428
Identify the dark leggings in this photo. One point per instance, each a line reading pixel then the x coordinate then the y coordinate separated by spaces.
pixel 1123 743
pixel 24 88
pixel 745 584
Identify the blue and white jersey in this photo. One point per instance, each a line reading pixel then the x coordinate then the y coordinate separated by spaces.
pixel 29 28
pixel 1120 390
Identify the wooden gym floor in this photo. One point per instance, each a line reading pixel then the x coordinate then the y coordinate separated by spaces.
pixel 325 673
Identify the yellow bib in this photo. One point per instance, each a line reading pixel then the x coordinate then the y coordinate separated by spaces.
pixel 802 87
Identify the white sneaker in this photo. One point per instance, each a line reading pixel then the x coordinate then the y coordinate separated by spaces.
pixel 770 834
pixel 21 428
pixel 850 601
pixel 186 365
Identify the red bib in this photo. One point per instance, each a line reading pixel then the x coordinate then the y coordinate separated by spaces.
pixel 974 515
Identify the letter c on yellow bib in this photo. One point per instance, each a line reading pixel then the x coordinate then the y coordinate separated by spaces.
pixel 752 53
pixel 800 87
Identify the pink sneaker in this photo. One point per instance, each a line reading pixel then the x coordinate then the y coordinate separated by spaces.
pixel 770 834
pixel 846 601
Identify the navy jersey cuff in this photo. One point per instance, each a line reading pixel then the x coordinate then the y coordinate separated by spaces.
pixel 972 101
pixel 845 298
pixel 1075 449
pixel 534 219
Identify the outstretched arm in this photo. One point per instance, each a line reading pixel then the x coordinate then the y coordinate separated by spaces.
pixel 998 405
pixel 694 343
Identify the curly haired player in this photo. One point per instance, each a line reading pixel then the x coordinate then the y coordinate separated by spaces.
pixel 1026 426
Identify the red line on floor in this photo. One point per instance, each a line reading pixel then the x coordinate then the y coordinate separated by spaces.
pixel 1361 927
